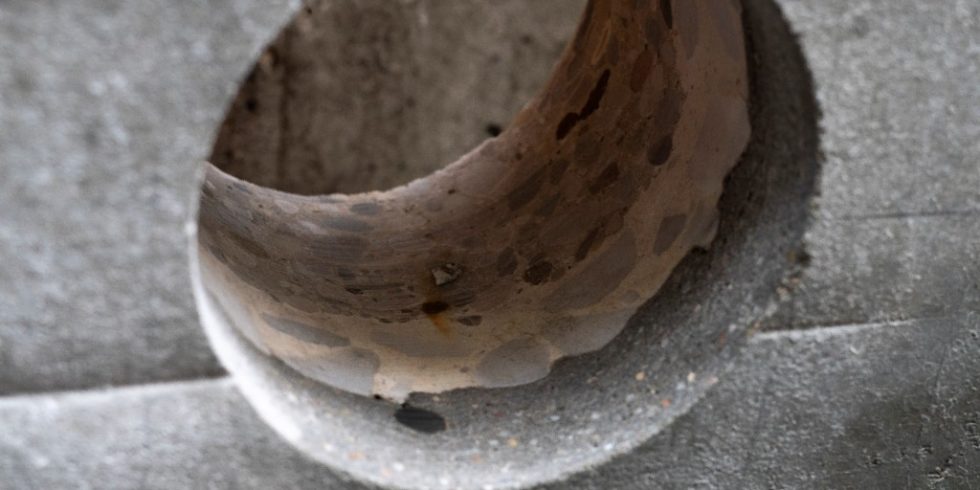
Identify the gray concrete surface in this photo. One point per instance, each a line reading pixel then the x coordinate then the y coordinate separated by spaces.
pixel 197 434
pixel 883 269
pixel 896 234
pixel 897 83
pixel 893 405
pixel 883 406
pixel 104 107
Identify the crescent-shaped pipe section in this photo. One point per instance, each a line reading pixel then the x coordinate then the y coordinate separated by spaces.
pixel 538 244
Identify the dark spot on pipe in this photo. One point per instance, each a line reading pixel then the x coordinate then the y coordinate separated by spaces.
pixel 420 420
pixel 251 105
pixel 355 291
pixel 595 97
pixel 591 105
pixel 538 273
pixel 666 9
pixel 659 152
pixel 434 307
pixel 566 125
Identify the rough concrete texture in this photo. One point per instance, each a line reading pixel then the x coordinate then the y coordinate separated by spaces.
pixel 898 228
pixel 865 406
pixel 897 82
pixel 168 436
pixel 930 263
pixel 106 108
pixel 885 405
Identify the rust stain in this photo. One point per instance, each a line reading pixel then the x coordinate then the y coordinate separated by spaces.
pixel 435 311
pixel 442 324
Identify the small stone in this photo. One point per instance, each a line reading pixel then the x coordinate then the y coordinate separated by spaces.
pixel 640 376
pixel 446 273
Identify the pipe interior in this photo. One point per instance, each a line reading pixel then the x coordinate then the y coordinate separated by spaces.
pixel 366 95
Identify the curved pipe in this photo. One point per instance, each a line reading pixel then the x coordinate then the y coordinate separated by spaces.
pixel 538 244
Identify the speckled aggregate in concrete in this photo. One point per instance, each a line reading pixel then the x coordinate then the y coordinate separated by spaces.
pixel 863 406
pixel 105 109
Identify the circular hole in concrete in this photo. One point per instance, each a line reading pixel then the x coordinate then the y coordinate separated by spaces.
pixel 412 101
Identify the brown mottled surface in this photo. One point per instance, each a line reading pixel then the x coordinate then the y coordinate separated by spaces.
pixel 580 209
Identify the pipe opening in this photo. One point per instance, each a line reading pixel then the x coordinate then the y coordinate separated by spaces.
pixel 300 305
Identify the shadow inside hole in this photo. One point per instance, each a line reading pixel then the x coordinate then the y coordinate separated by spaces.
pixel 493 130
pixel 420 420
